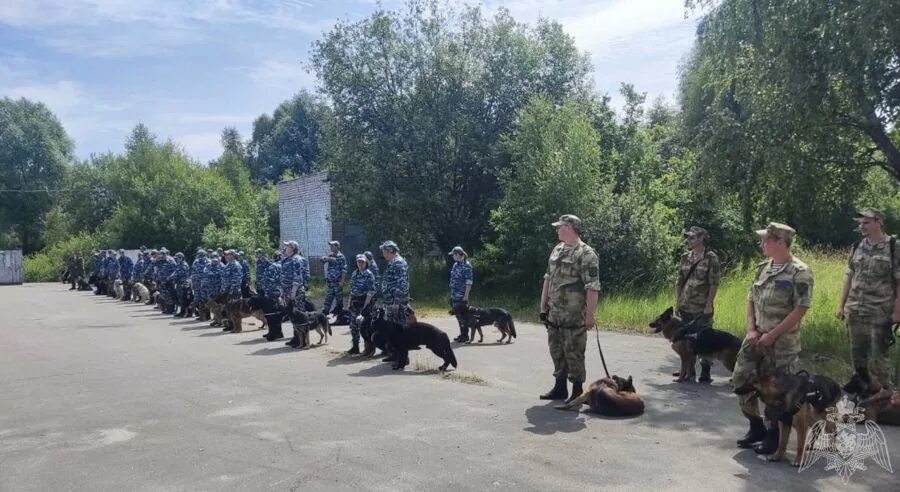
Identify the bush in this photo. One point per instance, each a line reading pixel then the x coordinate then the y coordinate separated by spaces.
pixel 47 265
pixel 40 267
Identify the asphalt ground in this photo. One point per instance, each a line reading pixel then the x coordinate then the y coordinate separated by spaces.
pixel 100 395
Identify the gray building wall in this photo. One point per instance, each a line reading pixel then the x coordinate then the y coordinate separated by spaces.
pixel 12 271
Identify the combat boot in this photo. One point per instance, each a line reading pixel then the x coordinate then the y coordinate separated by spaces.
pixel 704 373
pixel 354 350
pixel 770 444
pixel 559 391
pixel 755 434
pixel 294 342
pixel 576 391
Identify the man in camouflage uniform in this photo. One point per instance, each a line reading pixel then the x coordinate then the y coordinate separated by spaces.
pixel 462 276
pixel 126 265
pixel 112 273
pixel 164 272
pixel 138 269
pixel 262 263
pixel 869 299
pixel 696 286
pixel 395 285
pixel 76 271
pixel 211 284
pixel 269 288
pixel 197 267
pixel 335 269
pixel 373 267
pixel 568 302
pixel 179 279
pixel 245 274
pixel 232 276
pixel 779 297
pixel 362 290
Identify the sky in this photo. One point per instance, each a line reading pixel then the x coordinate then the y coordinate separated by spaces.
pixel 189 68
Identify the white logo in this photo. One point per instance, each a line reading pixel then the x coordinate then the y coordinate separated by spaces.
pixel 844 449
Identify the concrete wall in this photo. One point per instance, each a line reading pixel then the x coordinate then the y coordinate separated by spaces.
pixel 304 211
pixel 12 270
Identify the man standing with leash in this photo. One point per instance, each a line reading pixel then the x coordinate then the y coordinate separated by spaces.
pixel 568 301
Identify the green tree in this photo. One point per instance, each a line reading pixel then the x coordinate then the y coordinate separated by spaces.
pixel 34 153
pixel 789 103
pixel 288 140
pixel 421 98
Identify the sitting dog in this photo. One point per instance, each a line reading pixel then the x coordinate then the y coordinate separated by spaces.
pixel 696 339
pixel 399 339
pixel 615 397
pixel 140 293
pixel 119 289
pixel 796 401
pixel 867 392
pixel 303 321
pixel 490 316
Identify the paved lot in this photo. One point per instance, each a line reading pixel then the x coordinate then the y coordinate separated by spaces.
pixel 99 395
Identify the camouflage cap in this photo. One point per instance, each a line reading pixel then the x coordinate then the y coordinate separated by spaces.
pixel 259 251
pixel 121 251
pixel 293 244
pixel 154 252
pixel 869 213
pixel 179 255
pixel 696 231
pixel 210 251
pixel 201 253
pixel 214 256
pixel 369 255
pixel 569 219
pixel 230 252
pixel 335 243
pixel 163 250
pixel 457 249
pixel 276 256
pixel 389 245
pixel 361 257
pixel 777 229
pixel 143 248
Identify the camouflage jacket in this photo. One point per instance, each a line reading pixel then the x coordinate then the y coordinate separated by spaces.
pixel 270 281
pixel 126 264
pixel 461 275
pixel 335 266
pixel 231 278
pixel 362 283
pixel 873 276
pixel 180 274
pixel 775 293
pixel 572 271
pixel 197 268
pixel 395 286
pixel 211 282
pixel 291 274
pixel 262 264
pixel 138 269
pixel 696 286
pixel 165 268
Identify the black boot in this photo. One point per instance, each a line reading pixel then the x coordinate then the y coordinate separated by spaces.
pixel 770 443
pixel 354 349
pixel 755 434
pixel 294 342
pixel 576 391
pixel 704 372
pixel 559 391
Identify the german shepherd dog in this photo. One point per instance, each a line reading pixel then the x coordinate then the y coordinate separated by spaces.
pixel 303 321
pixel 399 339
pixel 140 293
pixel 615 397
pixel 696 339
pixel 490 316
pixel 866 391
pixel 795 400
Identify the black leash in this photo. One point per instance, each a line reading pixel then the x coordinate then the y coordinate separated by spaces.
pixel 548 324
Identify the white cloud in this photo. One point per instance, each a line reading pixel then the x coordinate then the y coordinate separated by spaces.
pixel 203 146
pixel 61 97
pixel 279 73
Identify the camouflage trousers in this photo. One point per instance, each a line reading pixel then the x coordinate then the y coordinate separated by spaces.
pixel 869 345
pixel 395 313
pixel 567 344
pixel 687 317
pixel 783 355
pixel 356 309
pixel 333 292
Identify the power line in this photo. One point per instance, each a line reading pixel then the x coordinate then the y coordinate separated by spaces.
pixel 33 191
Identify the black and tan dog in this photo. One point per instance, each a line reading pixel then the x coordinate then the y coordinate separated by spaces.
pixel 796 401
pixel 500 318
pixel 614 396
pixel 398 340
pixel 867 392
pixel 303 322
pixel 696 339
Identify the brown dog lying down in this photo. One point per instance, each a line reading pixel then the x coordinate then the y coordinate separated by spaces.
pixel 615 397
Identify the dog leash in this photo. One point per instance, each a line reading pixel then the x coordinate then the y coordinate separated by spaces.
pixel 549 324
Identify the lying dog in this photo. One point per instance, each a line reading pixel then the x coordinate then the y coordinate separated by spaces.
pixel 119 289
pixel 500 318
pixel 399 339
pixel 696 339
pixel 615 397
pixel 303 321
pixel 797 401
pixel 867 392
